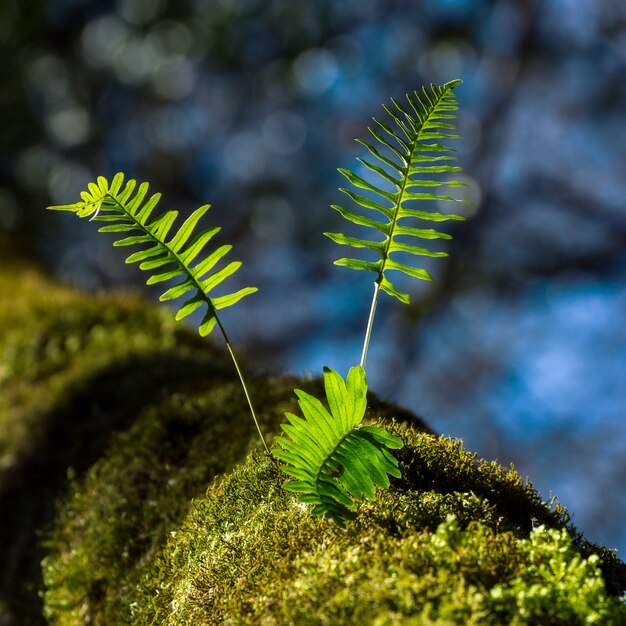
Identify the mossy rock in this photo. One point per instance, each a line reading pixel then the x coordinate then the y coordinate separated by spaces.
pixel 455 541
pixel 173 515
pixel 74 368
pixel 249 553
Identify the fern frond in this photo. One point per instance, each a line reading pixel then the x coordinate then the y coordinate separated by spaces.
pixel 416 156
pixel 334 460
pixel 166 254
pixel 179 256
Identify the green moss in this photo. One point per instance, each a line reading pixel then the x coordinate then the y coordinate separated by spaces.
pixel 145 417
pixel 121 514
pixel 73 368
pixel 52 337
pixel 247 552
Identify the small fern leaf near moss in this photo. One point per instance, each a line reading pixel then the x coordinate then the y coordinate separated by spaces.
pixel 334 460
pixel 409 162
pixel 166 253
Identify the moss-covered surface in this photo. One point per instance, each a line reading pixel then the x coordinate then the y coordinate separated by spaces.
pixel 172 515
pixel 73 369
pixel 247 552
pixel 119 517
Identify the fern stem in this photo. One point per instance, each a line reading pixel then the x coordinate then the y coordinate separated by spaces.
pixel 370 324
pixel 243 382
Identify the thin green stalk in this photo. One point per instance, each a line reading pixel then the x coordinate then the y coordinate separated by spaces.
pixel 370 323
pixel 243 383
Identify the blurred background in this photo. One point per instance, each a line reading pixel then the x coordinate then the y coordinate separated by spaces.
pixel 518 345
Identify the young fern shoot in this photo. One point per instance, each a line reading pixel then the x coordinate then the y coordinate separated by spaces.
pixel 412 158
pixel 178 257
pixel 335 459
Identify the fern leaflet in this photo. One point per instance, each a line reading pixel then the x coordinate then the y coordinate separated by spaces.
pixel 176 257
pixel 334 460
pixel 428 117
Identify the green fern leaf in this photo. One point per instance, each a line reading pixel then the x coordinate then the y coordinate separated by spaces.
pixel 334 459
pixel 417 155
pixel 167 256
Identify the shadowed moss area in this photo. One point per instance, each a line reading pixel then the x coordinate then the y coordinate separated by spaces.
pixel 452 542
pixel 120 516
pixel 52 335
pixel 74 368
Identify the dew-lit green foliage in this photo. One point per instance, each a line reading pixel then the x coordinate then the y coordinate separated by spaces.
pixel 437 536
pixel 180 255
pixel 334 460
pixel 248 552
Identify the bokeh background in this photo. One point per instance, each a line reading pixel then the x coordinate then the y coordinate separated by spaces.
pixel 518 345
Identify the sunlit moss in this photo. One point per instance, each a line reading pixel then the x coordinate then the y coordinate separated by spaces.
pixel 247 552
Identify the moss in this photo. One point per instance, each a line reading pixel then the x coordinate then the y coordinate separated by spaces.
pixel 249 553
pixel 144 417
pixel 52 337
pixel 73 368
pixel 452 542
pixel 121 514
